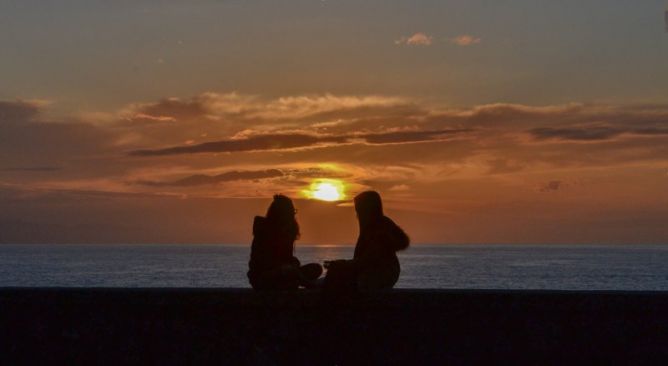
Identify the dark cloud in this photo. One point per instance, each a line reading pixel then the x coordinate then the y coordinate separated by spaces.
pixel 651 131
pixel 171 108
pixel 409 136
pixel 299 140
pixel 203 179
pixel 504 166
pixel 290 174
pixel 577 134
pixel 31 144
pixel 17 111
pixel 551 186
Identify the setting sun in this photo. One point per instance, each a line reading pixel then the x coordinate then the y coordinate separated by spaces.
pixel 326 190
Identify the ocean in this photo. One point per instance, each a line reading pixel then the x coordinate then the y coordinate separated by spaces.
pixel 556 267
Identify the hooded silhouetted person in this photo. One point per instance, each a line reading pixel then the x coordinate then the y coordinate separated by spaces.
pixel 375 264
pixel 272 265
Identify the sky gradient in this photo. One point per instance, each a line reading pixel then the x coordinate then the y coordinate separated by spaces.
pixel 477 121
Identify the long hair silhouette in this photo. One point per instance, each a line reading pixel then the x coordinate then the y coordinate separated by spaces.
pixel 281 216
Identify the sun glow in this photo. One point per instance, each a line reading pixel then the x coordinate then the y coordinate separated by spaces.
pixel 326 190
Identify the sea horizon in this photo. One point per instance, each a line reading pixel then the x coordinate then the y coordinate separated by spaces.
pixel 445 266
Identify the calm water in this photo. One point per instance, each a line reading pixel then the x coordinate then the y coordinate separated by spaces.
pixel 488 267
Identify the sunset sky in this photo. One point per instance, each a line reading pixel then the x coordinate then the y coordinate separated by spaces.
pixel 518 121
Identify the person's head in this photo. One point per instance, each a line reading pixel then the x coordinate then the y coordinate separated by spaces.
pixel 369 207
pixel 281 213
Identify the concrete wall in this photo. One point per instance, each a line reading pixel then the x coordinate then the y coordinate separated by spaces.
pixel 236 327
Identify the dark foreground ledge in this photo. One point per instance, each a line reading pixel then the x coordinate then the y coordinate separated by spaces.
pixel 236 327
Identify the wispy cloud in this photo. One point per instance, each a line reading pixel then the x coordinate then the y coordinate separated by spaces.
pixel 204 179
pixel 18 111
pixel 218 106
pixel 417 39
pixel 152 118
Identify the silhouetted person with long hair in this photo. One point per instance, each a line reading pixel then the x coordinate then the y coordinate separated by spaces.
pixel 272 264
pixel 375 265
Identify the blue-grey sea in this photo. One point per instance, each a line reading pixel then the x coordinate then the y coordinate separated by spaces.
pixel 562 267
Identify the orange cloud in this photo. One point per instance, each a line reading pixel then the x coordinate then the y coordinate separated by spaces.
pixel 148 117
pixel 417 39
